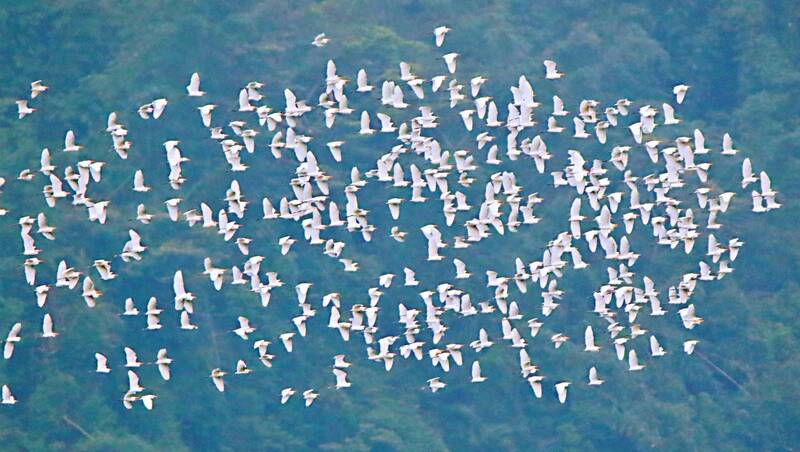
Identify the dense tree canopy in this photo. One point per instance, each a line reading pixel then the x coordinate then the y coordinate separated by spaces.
pixel 740 57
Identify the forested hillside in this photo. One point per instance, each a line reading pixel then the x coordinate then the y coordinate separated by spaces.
pixel 739 391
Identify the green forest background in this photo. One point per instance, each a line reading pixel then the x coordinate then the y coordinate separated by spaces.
pixel 741 58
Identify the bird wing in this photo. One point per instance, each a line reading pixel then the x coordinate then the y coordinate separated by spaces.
pixel 194 83
pixel 654 345
pixel 102 361
pixel 361 78
pixel 47 325
pixel 130 355
pixel 244 100
pixel 747 169
pixel 138 179
pixel 69 139
pixel 219 383
pixel 8 350
pixel 588 337
pixel 14 333
pixel 177 283
pixel 163 369
pixel 133 380
pixel 476 370
pixel 766 183
pixel 364 120
pixel 558 104
pixel 633 360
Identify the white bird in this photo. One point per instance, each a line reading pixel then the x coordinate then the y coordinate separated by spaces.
pixel 216 377
pixel 182 297
pixel 385 280
pixel 747 173
pixel 30 270
pixel 172 208
pixel 758 202
pixel 158 107
pixel 689 317
pixel 435 384
pixel 128 399
pixel 102 363
pixel 142 215
pixel 439 34
pixel 680 92
pixel 394 207
pixel 727 145
pixel 461 269
pixel 133 382
pixel 594 380
pixel 340 362
pixel 103 267
pixel 476 373
pixel 669 115
pixel 410 277
pixel 131 360
pixel 244 101
pixel 309 396
pixel 482 342
pixel 152 307
pixel 552 125
pixel 148 400
pixel 365 128
pixel 349 265
pixel 633 361
pixel 286 394
pixel 286 339
pixel 193 88
pixel 561 389
pixel 205 113
pixel 46 166
pixel 363 84
pixel 688 346
pixel 8 397
pixel 588 339
pixel 41 294
pixel 551 73
pixel 47 327
pixel 466 117
pixel 450 61
pixel 300 323
pixel 37 88
pixel 242 369
pixel 214 274
pixel 23 109
pixel 163 362
pixel 335 148
pixel 766 186
pixel 536 385
pixel 11 340
pixel 397 234
pixel 320 40
pixel 580 128
pixel 138 182
pixel 341 378
pixel 186 322
pixel 655 348
pixel 244 328
pixel 69 142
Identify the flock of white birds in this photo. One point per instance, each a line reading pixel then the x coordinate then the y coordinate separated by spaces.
pixel 642 200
